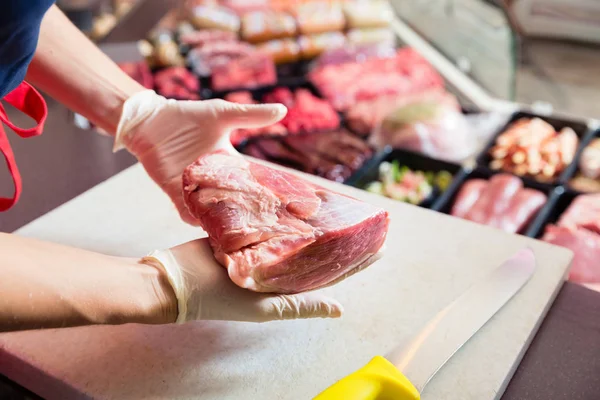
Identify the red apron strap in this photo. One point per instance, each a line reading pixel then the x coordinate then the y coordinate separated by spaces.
pixel 26 99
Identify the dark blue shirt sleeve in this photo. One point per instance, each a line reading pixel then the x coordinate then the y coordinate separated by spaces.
pixel 20 22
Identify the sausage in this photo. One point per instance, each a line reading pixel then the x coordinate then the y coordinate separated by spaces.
pixel 319 17
pixel 468 196
pixel 312 46
pixel 523 207
pixel 495 199
pixel 282 51
pixel 259 26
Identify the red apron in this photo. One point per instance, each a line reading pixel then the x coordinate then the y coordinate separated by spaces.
pixel 28 100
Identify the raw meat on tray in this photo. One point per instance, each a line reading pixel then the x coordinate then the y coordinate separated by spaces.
pixel 502 202
pixel 578 229
pixel 275 232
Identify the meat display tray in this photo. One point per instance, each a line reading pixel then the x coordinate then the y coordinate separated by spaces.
pixel 416 162
pixel 557 204
pixel 580 128
pixel 447 202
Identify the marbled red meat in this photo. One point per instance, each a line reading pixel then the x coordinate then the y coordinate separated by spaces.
pixel 345 84
pixel 177 83
pixel 275 232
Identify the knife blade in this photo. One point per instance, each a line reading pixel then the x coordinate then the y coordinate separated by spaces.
pixel 405 371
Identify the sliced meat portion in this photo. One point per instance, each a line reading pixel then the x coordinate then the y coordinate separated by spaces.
pixel 468 196
pixel 275 232
pixel 502 202
pixel 584 212
pixel 586 246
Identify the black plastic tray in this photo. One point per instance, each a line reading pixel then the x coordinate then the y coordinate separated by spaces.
pixel 558 203
pixel 581 129
pixel 486 173
pixel 370 172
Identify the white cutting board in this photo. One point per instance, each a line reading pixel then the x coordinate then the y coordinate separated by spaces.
pixel 430 260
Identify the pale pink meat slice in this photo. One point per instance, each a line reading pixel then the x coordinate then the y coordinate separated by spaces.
pixel 586 246
pixel 495 199
pixel 584 211
pixel 275 232
pixel 523 207
pixel 468 196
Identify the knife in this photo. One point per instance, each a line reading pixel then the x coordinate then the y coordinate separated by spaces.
pixel 404 372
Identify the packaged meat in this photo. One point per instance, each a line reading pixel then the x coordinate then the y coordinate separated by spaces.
pixel 251 71
pixel 239 136
pixel 306 112
pixel 368 14
pixel 372 36
pixel 177 83
pixel 282 51
pixel 331 155
pixel 500 202
pixel 437 129
pixel 312 46
pixel 401 183
pixel 215 17
pixel 207 36
pixel 365 115
pixel 140 71
pixel 204 59
pixel 261 26
pixel 354 53
pixel 319 17
pixel 405 73
pixel 531 147
pixel 275 232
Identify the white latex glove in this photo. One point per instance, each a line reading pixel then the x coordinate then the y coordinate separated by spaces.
pixel 205 292
pixel 168 135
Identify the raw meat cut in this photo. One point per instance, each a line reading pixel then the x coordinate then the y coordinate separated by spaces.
pixel 177 83
pixel 434 127
pixel 586 246
pixel 275 232
pixel 331 155
pixel 306 112
pixel 583 212
pixel 204 59
pixel 355 53
pixel 238 136
pixel 502 202
pixel 345 84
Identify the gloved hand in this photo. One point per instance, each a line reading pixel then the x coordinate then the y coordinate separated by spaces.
pixel 205 292
pixel 168 135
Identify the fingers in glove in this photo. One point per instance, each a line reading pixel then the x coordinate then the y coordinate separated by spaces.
pixel 236 116
pixel 299 306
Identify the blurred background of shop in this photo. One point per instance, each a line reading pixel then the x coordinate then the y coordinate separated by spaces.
pixel 527 51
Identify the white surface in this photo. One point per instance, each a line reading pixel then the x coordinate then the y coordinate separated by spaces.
pixel 430 260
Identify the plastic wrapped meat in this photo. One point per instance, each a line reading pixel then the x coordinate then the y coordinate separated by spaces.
pixel 319 17
pixel 240 135
pixel 275 232
pixel 214 17
pixel 368 14
pixel 434 128
pixel 255 70
pixel 345 84
pixel 532 147
pixel 502 202
pixel 366 115
pixel 207 36
pixel 306 112
pixel 355 53
pixel 261 26
pixel 206 58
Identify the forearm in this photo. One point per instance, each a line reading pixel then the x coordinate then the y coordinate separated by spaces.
pixel 45 285
pixel 71 69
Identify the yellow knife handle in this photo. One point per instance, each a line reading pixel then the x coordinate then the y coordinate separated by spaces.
pixel 378 380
